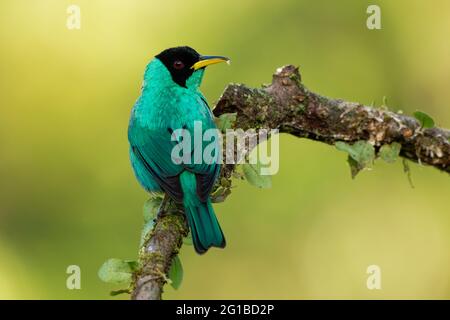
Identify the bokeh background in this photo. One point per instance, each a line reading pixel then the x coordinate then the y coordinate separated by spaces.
pixel 68 195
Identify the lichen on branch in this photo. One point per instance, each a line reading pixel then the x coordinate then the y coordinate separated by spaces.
pixel 286 104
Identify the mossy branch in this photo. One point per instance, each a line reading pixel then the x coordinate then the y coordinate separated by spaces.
pixel 289 106
pixel 161 245
pixel 286 104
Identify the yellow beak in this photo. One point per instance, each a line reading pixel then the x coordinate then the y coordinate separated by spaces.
pixel 208 60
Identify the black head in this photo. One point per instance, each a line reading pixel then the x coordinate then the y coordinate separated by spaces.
pixel 179 62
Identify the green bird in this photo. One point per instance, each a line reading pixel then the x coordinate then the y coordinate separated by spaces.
pixel 171 101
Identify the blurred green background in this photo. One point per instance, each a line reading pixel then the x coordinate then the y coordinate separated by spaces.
pixel 68 195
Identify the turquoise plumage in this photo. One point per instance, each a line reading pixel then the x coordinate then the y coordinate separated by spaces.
pixel 171 100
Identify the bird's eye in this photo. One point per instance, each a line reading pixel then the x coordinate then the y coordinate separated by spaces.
pixel 178 65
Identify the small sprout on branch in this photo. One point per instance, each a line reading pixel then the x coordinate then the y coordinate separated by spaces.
pixel 252 173
pixel 146 229
pixel 224 182
pixel 151 207
pixel 176 273
pixel 384 104
pixel 120 291
pixel 238 174
pixel 424 119
pixel 220 194
pixel 407 170
pixel 390 152
pixel 360 155
pixel 117 271
pixel 188 239
pixel 355 167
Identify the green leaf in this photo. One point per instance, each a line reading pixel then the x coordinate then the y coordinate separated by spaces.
pixel 390 152
pixel 361 154
pixel 224 182
pixel 133 264
pixel 151 207
pixel 361 151
pixel 425 120
pixel 148 227
pixel 225 121
pixel 239 175
pixel 188 239
pixel 120 291
pixel 252 173
pixel 355 167
pixel 176 273
pixel 117 271
pixel 220 194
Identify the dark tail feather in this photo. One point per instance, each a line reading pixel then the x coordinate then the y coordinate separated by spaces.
pixel 205 228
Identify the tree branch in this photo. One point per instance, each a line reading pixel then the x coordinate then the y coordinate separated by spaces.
pixel 286 104
pixel 158 251
pixel 289 106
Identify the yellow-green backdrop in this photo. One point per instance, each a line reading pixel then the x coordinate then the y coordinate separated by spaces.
pixel 68 195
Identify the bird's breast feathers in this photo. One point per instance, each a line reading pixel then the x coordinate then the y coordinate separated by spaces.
pixel 171 108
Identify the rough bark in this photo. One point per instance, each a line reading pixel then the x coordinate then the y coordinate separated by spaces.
pixel 286 104
pixel 289 106
pixel 158 251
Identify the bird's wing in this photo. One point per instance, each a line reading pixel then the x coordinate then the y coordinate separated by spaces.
pixel 153 150
pixel 206 173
